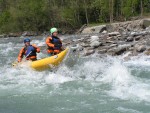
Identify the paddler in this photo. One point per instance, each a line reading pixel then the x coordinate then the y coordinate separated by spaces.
pixel 54 43
pixel 29 51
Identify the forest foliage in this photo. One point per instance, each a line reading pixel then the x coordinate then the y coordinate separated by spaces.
pixel 40 15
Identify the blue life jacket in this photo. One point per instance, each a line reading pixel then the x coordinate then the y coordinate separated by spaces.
pixel 28 51
pixel 57 43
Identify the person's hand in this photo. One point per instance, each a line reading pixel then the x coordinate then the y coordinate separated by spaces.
pixel 58 45
pixel 19 61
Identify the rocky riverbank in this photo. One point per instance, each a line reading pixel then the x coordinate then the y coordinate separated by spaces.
pixel 132 38
pixel 19 34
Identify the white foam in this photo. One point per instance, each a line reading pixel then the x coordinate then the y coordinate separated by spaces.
pixel 108 70
pixel 124 85
pixel 139 61
pixel 126 110
pixel 55 79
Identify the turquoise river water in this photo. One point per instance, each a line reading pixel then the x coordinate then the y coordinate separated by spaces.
pixel 92 85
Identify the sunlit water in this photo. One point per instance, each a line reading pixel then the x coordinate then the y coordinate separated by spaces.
pixel 92 85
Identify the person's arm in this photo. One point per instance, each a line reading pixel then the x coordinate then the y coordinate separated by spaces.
pixel 48 42
pixel 60 40
pixel 20 56
pixel 62 48
pixel 36 48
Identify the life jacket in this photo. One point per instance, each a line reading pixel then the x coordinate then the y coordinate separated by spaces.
pixel 28 52
pixel 57 43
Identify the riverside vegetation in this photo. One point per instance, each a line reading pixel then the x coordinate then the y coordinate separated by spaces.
pixel 130 37
pixel 40 15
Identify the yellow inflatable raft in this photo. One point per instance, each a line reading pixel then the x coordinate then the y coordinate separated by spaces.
pixel 45 63
pixel 49 62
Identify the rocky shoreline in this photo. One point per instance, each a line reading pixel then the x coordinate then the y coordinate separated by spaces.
pixel 132 38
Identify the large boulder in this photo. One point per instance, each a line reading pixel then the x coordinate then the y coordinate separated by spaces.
pixel 95 29
pixel 145 23
pixel 94 41
pixel 110 28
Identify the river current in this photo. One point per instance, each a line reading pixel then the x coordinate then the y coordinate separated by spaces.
pixel 91 85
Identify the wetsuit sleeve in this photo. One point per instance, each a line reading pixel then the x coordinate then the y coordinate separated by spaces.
pixel 21 53
pixel 48 42
pixel 37 48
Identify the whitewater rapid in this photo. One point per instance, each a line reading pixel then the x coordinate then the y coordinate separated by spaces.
pixel 91 84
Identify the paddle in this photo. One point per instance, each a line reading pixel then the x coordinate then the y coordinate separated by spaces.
pixel 16 62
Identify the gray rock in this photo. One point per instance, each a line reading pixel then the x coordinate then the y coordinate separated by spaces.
pixel 80 48
pixel 140 48
pixel 114 34
pixel 119 50
pixel 148 29
pixel 95 41
pixel 143 33
pixel 137 38
pixel 147 52
pixel 102 51
pixel 30 33
pixel 3 36
pixel 89 52
pixel 113 42
pixel 131 48
pixel 148 43
pixel 104 32
pixel 85 45
pixel 134 34
pixel 14 34
pixel 110 28
pixel 113 45
pixel 94 38
pixel 95 29
pixel 109 38
pixel 129 27
pixel 95 44
pixel 130 39
pixel 145 23
pixel 80 40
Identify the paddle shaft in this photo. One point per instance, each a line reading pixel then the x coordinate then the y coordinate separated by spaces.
pixel 16 63
pixel 28 54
